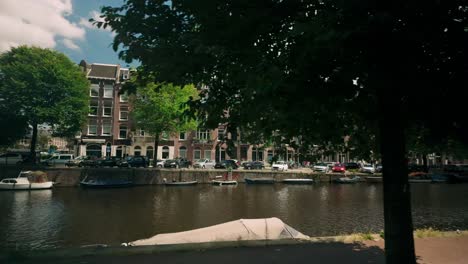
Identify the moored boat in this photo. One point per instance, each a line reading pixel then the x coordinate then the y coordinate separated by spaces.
pixel 260 181
pixel 26 180
pixel 354 179
pixel 114 183
pixel 298 181
pixel 223 182
pixel 374 179
pixel 180 183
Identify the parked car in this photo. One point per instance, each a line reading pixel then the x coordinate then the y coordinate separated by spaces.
pixel 339 167
pixel 368 168
pixel 204 163
pixel 224 164
pixel 89 161
pixel 321 167
pixel 352 166
pixel 134 161
pixel 11 158
pixel 378 168
pixel 177 163
pixel 60 159
pixel 75 162
pixel 253 165
pixel 160 163
pixel 109 161
pixel 280 165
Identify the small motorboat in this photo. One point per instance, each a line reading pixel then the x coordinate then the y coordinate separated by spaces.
pixel 109 183
pixel 354 179
pixel 419 177
pixel 260 181
pixel 374 179
pixel 298 181
pixel 223 182
pixel 26 180
pixel 179 183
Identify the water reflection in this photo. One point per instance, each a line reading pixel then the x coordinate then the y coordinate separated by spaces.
pixel 68 217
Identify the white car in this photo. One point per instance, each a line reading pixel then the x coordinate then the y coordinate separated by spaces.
pixel 204 164
pixel 11 158
pixel 160 163
pixel 321 167
pixel 368 168
pixel 280 165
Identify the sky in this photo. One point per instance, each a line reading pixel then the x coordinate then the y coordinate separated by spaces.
pixel 61 25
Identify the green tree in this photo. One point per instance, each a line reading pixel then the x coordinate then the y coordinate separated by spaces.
pixel 316 69
pixel 161 108
pixel 43 86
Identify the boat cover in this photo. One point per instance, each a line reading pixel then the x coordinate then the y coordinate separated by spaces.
pixel 242 229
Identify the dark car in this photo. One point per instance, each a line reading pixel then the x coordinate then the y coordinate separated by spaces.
pixel 177 163
pixel 224 164
pixel 90 161
pixel 134 161
pixel 253 165
pixel 109 161
pixel 352 166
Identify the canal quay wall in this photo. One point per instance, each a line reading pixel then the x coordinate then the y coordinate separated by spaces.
pixel 68 177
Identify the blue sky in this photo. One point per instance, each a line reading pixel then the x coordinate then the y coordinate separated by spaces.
pixel 66 28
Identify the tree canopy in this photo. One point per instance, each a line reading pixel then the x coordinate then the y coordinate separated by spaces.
pixel 319 69
pixel 161 108
pixel 42 86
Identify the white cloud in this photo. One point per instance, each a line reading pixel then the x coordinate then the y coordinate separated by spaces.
pixel 84 21
pixel 37 22
pixel 70 44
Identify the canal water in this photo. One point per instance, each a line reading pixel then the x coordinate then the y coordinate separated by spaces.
pixel 74 217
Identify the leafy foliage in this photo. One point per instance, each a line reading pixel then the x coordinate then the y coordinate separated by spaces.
pixel 42 86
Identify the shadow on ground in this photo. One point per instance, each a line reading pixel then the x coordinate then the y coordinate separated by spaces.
pixel 303 253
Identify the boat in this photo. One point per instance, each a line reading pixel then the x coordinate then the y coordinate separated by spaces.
pixel 419 177
pixel 223 182
pixel 260 181
pixel 374 179
pixel 179 183
pixel 239 230
pixel 112 183
pixel 26 180
pixel 298 181
pixel 347 179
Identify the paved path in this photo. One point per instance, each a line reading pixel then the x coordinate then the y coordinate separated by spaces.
pixel 429 251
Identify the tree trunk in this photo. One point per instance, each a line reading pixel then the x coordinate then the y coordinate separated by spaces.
pixel 155 153
pixel 399 242
pixel 424 158
pixel 33 143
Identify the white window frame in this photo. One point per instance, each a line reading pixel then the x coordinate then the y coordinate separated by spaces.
pixel 223 134
pixel 110 130
pixel 141 132
pixel 104 111
pixel 95 85
pixel 120 115
pixel 126 132
pixel 107 88
pixel 95 128
pixel 180 136
pixel 207 156
pixel 203 134
pixel 123 98
pixel 184 149
pixel 195 157
pixel 93 106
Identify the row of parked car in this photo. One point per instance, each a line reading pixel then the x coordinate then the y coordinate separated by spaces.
pixel 343 167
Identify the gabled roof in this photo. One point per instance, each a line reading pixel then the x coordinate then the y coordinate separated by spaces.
pixel 104 71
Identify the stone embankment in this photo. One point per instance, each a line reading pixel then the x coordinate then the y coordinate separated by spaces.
pixel 66 177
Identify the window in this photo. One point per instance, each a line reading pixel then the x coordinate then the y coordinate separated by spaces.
pixel 92 129
pixel 122 132
pixel 183 152
pixel 137 151
pixel 220 133
pixel 106 129
pixel 94 90
pixel 108 91
pixel 207 154
pixel 197 154
pixel 165 152
pixel 141 133
pixel 203 134
pixel 93 109
pixel 123 115
pixel 124 97
pixel 182 136
pixel 149 152
pixel 107 111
